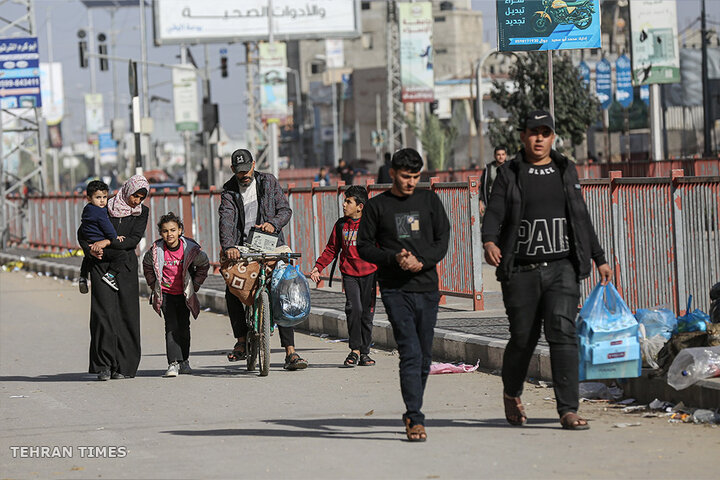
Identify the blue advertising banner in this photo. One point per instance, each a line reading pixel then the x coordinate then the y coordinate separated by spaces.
pixel 107 146
pixel 623 81
pixel 584 73
pixel 19 73
pixel 645 94
pixel 525 25
pixel 603 83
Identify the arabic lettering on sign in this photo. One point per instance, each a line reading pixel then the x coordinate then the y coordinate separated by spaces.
pixel 289 12
pixel 514 2
pixel 18 46
pixel 515 11
pixel 515 21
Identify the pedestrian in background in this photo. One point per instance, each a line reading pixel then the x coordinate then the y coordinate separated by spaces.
pixel 384 170
pixel 345 172
pixel 358 277
pixel 115 315
pixel 175 267
pixel 323 177
pixel 538 233
pixel 489 175
pixel 252 199
pixel 405 232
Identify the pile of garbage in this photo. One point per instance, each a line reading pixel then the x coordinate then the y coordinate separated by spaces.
pixel 686 348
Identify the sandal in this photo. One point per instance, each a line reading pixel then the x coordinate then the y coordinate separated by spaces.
pixel 238 353
pixel 514 410
pixel 573 421
pixel 295 362
pixel 415 433
pixel 351 360
pixel 366 361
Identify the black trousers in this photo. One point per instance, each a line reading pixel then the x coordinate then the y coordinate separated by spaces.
pixel 413 316
pixel 359 310
pixel 117 259
pixel 546 296
pixel 177 327
pixel 236 312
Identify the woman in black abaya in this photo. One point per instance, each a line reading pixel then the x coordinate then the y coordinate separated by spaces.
pixel 115 315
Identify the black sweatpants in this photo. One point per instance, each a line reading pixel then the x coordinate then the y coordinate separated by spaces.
pixel 359 310
pixel 177 327
pixel 236 312
pixel 546 296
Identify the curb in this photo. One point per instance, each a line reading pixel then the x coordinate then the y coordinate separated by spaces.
pixel 448 345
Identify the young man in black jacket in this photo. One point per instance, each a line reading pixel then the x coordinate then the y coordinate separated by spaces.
pixel 538 233
pixel 405 232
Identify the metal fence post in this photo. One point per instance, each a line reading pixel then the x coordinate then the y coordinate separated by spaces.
pixel 316 225
pixel 619 260
pixel 476 242
pixel 678 230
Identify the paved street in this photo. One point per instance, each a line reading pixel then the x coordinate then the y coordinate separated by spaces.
pixel 325 422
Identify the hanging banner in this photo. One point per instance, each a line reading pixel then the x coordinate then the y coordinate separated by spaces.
pixel 334 53
pixel 273 78
pixel 19 73
pixel 51 92
pixel 524 25
pixel 185 99
pixel 653 33
pixel 107 146
pixel 94 114
pixel 603 83
pixel 645 94
pixel 623 81
pixel 584 73
pixel 416 52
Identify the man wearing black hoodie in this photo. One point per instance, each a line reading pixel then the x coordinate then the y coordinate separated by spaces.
pixel 538 233
pixel 405 232
pixel 252 199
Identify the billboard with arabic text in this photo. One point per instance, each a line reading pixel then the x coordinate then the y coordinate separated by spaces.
pixel 526 25
pixel 654 40
pixel 203 21
pixel 416 52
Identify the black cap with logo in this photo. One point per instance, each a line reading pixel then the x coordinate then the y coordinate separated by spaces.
pixel 538 118
pixel 242 160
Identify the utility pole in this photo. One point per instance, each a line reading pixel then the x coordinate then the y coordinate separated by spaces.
pixel 272 126
pixel 707 105
pixel 395 124
pixel 149 161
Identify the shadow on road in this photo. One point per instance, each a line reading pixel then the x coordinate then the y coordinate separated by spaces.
pixel 356 428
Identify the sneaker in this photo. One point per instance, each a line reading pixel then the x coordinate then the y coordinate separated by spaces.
pixel 173 370
pixel 109 278
pixel 83 285
pixel 185 367
pixel 104 375
pixel 118 376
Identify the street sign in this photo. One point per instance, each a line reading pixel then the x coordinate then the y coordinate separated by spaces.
pixel 185 99
pixel 603 83
pixel 623 81
pixel 19 73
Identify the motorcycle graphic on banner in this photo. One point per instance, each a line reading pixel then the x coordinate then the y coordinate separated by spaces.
pixel 525 25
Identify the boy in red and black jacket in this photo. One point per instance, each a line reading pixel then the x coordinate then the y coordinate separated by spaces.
pixel 358 276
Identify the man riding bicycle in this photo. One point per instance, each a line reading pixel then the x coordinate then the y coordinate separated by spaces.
pixel 252 199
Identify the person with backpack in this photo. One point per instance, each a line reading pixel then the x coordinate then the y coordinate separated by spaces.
pixel 358 276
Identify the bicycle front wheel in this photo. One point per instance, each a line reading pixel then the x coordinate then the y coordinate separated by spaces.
pixel 264 327
pixel 251 345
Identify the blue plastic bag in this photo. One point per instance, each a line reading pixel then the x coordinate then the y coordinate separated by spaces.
pixel 692 321
pixel 608 337
pixel 606 316
pixel 290 294
pixel 657 321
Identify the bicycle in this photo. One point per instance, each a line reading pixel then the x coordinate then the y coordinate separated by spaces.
pixel 259 315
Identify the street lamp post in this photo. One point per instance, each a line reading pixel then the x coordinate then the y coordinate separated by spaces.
pixel 301 115
pixel 479 100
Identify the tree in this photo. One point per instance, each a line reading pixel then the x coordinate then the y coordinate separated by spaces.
pixel 575 107
pixel 437 139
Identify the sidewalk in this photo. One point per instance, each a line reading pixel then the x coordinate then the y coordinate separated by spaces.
pixel 461 334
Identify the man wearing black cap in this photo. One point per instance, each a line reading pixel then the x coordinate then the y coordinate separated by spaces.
pixel 538 233
pixel 252 199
